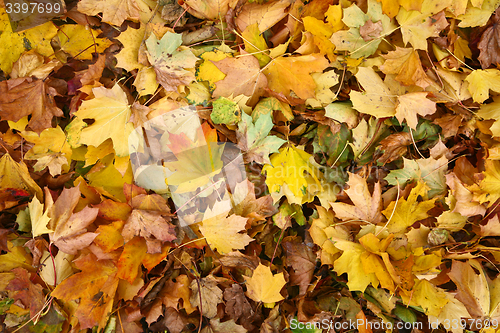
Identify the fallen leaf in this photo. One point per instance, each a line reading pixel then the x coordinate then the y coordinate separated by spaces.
pixel 243 76
pixel 114 12
pixel 30 294
pixel 168 62
pixel 303 262
pixel 206 295
pixel 366 207
pixel 411 104
pixel 237 305
pixel 254 139
pixel 78 41
pixel 405 62
pixel 16 175
pixel 94 287
pixel 404 212
pixel 475 290
pixel 264 286
pixel 111 112
pixel 287 74
pixel 290 173
pixel 481 82
pixel 42 107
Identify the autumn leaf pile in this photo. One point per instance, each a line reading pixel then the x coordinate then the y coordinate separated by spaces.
pixel 369 132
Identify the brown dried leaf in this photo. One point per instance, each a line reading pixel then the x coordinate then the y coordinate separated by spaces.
pixel 489 45
pixel 211 295
pixel 303 262
pixel 243 77
pixel 370 31
pixel 31 295
pixel 147 224
pixel 237 305
pixel 26 96
pixel 394 146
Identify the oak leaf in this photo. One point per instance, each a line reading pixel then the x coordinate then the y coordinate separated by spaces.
pixel 264 286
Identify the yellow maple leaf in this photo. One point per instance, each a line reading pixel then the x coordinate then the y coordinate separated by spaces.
pixel 263 286
pixel 113 12
pixel 481 81
pixel 490 185
pixel 424 294
pixel 366 207
pixel 287 74
pixel 81 42
pixel 111 112
pixel 223 233
pixel 322 32
pixel 322 230
pixel 377 99
pixel 39 219
pixel 291 173
pixel 16 175
pixel 207 71
pixel 131 40
pixel 256 44
pixel 405 62
pixel 51 149
pixel 366 263
pixel 15 43
pixel 404 212
pixel 411 104
pixel 417 26
pixel 491 111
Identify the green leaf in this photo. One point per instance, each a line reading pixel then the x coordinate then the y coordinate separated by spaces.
pixel 253 138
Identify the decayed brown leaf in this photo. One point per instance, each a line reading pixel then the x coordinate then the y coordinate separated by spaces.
pixel 489 44
pixel 26 96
